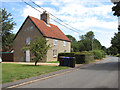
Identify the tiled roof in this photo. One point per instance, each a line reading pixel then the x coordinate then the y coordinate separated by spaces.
pixel 49 30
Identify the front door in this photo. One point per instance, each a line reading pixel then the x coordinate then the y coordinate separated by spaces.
pixel 28 56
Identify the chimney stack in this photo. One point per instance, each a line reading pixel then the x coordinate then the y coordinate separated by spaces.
pixel 45 17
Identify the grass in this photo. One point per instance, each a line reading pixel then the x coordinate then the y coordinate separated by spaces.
pixel 52 62
pixel 13 72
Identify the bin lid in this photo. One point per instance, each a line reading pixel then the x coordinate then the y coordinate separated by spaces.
pixel 66 57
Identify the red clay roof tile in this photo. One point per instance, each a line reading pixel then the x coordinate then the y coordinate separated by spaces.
pixel 49 30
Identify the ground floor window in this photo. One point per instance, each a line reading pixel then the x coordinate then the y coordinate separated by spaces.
pixel 64 50
pixel 54 53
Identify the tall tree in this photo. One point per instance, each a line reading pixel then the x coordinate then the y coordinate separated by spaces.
pixel 87 41
pixel 7 27
pixel 72 39
pixel 74 44
pixel 115 41
pixel 116 9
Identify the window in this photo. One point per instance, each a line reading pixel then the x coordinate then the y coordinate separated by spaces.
pixel 55 42
pixel 28 40
pixel 64 43
pixel 64 50
pixel 54 53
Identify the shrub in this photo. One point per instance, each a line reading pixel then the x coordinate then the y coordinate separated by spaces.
pixel 83 57
pixel 98 54
pixel 66 54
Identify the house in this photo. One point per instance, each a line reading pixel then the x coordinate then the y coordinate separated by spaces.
pixel 33 27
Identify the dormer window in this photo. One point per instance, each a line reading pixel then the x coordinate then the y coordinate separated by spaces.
pixel 64 43
pixel 55 42
pixel 28 40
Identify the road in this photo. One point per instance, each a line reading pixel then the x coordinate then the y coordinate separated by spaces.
pixel 103 74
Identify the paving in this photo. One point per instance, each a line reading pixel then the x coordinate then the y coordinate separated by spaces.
pixel 32 63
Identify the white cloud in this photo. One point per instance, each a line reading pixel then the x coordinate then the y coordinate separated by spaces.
pixel 31 12
pixel 81 16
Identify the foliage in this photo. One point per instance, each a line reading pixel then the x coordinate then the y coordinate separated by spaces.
pixel 115 41
pixel 38 48
pixel 74 44
pixel 87 42
pixel 116 9
pixel 98 54
pixel 81 57
pixel 72 39
pixel 7 25
pixel 112 51
pixel 12 72
pixel 75 47
pixel 52 62
pixel 104 48
pixel 66 54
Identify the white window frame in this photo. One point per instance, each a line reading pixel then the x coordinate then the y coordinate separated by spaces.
pixel 55 42
pixel 64 43
pixel 28 40
pixel 54 53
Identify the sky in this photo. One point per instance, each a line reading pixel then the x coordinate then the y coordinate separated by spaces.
pixel 84 15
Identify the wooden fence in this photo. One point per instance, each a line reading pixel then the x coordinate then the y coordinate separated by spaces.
pixel 7 57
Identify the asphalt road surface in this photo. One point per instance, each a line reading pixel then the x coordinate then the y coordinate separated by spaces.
pixel 103 74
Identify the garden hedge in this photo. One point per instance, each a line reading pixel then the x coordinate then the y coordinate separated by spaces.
pixel 98 54
pixel 81 57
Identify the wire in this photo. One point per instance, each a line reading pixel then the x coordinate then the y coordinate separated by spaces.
pixel 31 6
pixel 55 16
pixel 50 17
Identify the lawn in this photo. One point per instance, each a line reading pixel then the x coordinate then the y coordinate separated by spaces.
pixel 13 72
pixel 52 62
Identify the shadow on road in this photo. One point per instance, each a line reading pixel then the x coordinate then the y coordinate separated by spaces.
pixel 108 66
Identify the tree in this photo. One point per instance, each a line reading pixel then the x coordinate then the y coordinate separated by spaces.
pixel 88 42
pixel 74 43
pixel 85 45
pixel 104 48
pixel 72 39
pixel 115 41
pixel 89 35
pixel 112 51
pixel 116 9
pixel 96 45
pixel 38 48
pixel 7 25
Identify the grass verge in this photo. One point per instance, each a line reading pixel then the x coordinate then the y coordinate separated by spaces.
pixel 13 72
pixel 52 62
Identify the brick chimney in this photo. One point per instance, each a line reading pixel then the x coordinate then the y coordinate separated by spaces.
pixel 45 17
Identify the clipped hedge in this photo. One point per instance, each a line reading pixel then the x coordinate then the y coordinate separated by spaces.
pixel 98 54
pixel 81 57
pixel 66 54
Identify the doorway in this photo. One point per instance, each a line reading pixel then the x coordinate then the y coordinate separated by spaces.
pixel 27 55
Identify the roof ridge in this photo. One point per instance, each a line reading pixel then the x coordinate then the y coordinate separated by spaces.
pixel 49 31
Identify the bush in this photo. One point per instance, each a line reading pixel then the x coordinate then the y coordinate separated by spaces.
pixel 98 54
pixel 81 57
pixel 66 54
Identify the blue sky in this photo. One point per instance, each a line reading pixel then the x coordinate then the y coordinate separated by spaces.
pixel 85 15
